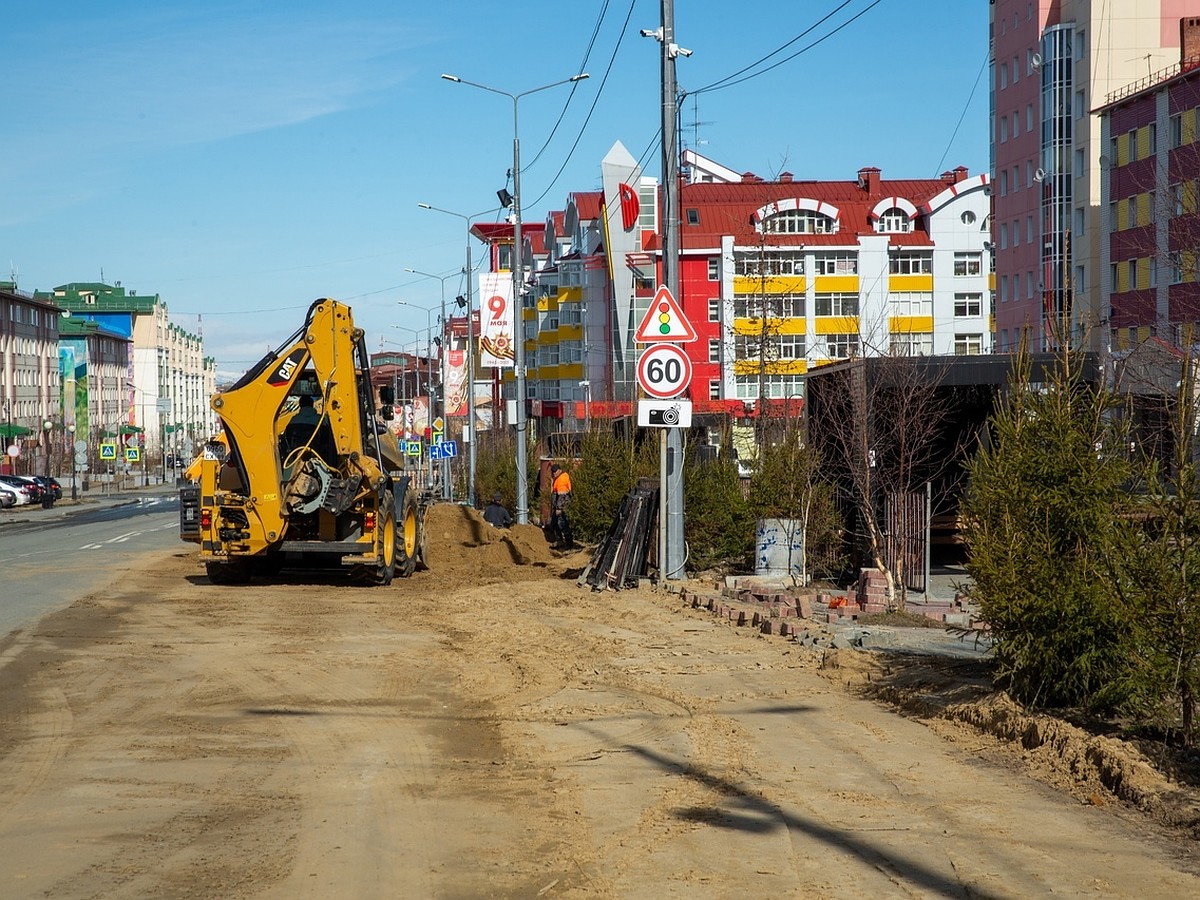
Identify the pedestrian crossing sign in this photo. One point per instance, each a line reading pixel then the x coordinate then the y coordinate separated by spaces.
pixel 108 450
pixel 133 454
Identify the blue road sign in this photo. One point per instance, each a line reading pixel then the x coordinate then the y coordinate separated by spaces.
pixel 444 450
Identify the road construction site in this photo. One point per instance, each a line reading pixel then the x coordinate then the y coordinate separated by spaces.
pixel 487 728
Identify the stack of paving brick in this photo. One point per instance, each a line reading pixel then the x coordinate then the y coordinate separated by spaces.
pixel 872 591
pixel 772 612
pixel 838 607
pixel 952 612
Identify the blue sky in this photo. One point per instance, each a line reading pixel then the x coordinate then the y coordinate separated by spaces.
pixel 241 159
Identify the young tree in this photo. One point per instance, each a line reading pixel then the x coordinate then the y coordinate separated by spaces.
pixel 1157 579
pixel 1039 517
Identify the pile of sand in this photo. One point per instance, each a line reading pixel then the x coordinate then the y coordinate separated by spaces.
pixel 459 542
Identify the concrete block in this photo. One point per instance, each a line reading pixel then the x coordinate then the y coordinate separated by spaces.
pixel 832 617
pixel 803 608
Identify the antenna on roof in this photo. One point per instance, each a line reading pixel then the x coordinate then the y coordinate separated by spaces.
pixel 696 123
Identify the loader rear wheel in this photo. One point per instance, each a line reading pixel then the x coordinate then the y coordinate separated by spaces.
pixel 410 536
pixel 384 569
pixel 235 571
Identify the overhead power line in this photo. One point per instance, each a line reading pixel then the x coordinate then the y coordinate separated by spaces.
pixel 732 80
pixel 603 81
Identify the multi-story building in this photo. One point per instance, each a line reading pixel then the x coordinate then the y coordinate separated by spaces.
pixel 589 273
pixel 779 275
pixel 1052 62
pixel 170 379
pixel 97 364
pixel 774 276
pixel 1151 192
pixel 30 387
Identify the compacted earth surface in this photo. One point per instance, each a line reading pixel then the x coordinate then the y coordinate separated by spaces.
pixel 487 728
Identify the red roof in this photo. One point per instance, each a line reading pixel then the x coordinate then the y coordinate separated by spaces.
pixel 727 209
pixel 536 238
pixel 588 204
pixel 493 232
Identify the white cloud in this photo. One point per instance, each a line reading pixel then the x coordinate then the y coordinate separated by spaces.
pixel 103 93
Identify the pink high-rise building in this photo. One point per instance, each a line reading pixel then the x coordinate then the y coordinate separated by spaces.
pixel 1053 62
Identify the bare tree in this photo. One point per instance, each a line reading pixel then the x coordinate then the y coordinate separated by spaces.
pixel 881 423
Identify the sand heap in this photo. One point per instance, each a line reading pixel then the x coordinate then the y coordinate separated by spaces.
pixel 458 538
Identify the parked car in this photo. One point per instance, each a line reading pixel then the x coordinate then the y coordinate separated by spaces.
pixel 26 492
pixel 8 497
pixel 35 487
pixel 50 484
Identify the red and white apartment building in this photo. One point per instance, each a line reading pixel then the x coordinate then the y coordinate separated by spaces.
pixel 775 277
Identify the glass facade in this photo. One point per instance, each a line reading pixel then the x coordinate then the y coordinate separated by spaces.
pixel 1057 196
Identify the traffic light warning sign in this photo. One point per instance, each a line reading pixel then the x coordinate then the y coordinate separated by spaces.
pixel 664 321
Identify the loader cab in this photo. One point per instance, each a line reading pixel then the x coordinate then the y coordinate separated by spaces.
pixel 306 425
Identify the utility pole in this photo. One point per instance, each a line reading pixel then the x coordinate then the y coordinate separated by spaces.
pixel 672 476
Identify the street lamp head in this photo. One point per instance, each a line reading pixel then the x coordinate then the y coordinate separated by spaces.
pixel 580 77
pixel 453 78
pixel 506 199
pixel 424 206
pixel 47 425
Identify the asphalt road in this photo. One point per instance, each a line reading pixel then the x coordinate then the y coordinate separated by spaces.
pixel 50 558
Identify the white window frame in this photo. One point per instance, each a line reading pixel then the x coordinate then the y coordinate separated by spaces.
pixel 911 303
pixel 841 346
pixel 968 344
pixel 968 263
pixel 835 303
pixel 968 305
pixel 792 346
pixel 910 262
pixel 836 264
pixel 911 343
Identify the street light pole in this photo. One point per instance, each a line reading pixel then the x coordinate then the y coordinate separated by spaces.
pixel 518 283
pixel 74 462
pixel 470 273
pixel 447 494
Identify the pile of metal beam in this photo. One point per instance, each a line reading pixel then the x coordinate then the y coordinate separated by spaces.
pixel 622 558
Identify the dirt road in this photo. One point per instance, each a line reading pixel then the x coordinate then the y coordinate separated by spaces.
pixel 488 729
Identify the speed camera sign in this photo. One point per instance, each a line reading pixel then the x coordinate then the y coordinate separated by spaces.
pixel 664 370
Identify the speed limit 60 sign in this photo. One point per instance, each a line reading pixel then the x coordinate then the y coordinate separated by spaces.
pixel 664 370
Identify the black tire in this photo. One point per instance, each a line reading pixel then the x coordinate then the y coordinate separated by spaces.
pixel 233 572
pixel 384 569
pixel 409 534
pixel 422 540
pixel 268 565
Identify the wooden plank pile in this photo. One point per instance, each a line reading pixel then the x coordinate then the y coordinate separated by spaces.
pixel 621 559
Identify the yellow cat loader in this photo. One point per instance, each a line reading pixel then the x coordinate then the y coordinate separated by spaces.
pixel 305 472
